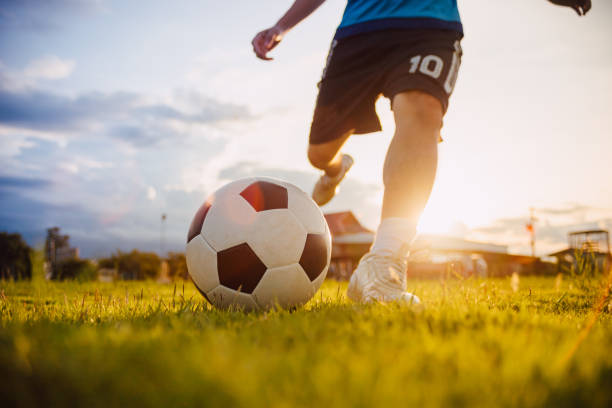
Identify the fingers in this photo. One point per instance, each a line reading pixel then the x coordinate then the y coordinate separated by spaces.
pixel 273 37
pixel 583 7
pixel 259 46
pixel 269 40
pixel 586 6
pixel 264 42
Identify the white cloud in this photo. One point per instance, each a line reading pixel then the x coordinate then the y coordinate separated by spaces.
pixel 16 143
pixel 49 67
pixel 151 193
pixel 89 163
pixel 10 146
pixel 77 164
pixel 69 167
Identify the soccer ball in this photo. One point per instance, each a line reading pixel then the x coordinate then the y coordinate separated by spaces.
pixel 256 243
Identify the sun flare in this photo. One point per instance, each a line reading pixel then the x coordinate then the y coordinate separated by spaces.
pixel 451 211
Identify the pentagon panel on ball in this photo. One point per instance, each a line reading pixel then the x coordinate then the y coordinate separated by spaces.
pixel 258 242
pixel 196 224
pixel 314 257
pixel 265 195
pixel 240 268
pixel 318 281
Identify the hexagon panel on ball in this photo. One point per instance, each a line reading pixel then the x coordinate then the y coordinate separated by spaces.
pixel 306 210
pixel 202 264
pixel 226 298
pixel 285 286
pixel 228 219
pixel 277 237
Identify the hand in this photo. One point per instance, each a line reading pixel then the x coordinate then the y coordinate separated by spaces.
pixel 266 40
pixel 580 6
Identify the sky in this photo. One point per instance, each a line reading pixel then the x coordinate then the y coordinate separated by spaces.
pixel 113 113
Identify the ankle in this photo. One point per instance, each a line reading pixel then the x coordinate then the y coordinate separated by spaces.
pixel 394 236
pixel 333 169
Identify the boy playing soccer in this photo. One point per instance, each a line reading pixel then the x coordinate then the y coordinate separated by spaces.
pixel 409 51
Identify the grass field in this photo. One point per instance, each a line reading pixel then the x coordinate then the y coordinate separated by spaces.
pixel 476 343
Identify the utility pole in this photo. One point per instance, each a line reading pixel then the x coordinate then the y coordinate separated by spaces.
pixel 530 226
pixel 162 234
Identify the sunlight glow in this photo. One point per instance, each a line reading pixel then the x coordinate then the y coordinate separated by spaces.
pixel 454 208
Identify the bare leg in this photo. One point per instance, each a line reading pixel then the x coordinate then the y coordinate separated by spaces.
pixel 326 156
pixel 412 157
pixel 409 173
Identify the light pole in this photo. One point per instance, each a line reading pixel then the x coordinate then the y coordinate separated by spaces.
pixel 531 229
pixel 162 234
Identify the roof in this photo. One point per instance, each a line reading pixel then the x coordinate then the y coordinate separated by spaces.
pixel 562 252
pixel 358 238
pixel 595 231
pixel 573 251
pixel 445 243
pixel 344 223
pixel 346 229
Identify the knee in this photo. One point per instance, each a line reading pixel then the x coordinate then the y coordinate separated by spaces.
pixel 418 108
pixel 318 157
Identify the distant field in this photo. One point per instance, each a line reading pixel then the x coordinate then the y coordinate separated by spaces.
pixel 476 343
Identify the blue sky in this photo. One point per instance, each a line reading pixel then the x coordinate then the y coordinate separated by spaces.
pixel 112 113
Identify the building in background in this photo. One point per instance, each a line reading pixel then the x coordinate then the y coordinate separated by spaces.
pixel 350 240
pixel 57 252
pixel 107 275
pixel 587 250
pixel 436 255
pixel 432 255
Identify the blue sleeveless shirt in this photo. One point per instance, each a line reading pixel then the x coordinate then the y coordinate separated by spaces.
pixel 362 16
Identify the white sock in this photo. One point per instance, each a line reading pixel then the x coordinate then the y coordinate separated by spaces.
pixel 394 235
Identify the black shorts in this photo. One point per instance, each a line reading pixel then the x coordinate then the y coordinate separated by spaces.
pixel 361 67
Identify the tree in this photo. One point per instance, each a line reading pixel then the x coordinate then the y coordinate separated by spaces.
pixel 134 265
pixel 77 269
pixel 15 260
pixel 177 265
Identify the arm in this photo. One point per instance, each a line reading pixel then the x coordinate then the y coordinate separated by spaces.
pixel 580 6
pixel 267 39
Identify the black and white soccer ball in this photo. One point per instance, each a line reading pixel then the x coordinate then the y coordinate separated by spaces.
pixel 256 243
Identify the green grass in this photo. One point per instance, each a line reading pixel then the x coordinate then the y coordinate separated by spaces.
pixel 476 343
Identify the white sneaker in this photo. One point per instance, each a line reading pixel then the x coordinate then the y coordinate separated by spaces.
pixel 326 186
pixel 380 278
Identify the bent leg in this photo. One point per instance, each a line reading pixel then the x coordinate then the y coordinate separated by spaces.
pixel 326 156
pixel 412 157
